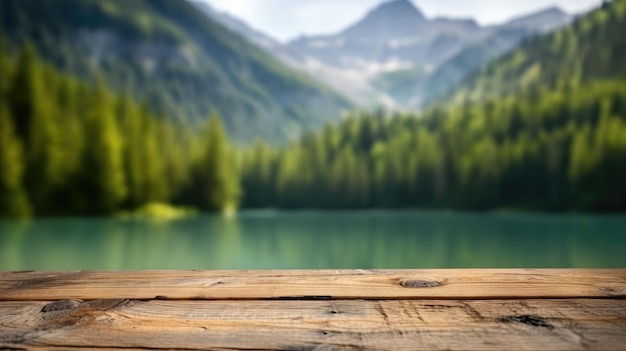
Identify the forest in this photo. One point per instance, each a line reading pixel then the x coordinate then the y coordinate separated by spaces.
pixel 522 134
pixel 72 148
pixel 553 151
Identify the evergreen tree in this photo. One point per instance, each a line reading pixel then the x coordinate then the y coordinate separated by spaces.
pixel 13 199
pixel 5 73
pixel 103 172
pixel 218 178
pixel 35 117
pixel 143 162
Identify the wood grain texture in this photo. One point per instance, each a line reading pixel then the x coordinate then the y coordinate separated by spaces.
pixel 315 310
pixel 339 284
pixel 576 324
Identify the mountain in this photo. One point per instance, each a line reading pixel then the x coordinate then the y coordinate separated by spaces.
pixel 543 21
pixel 453 71
pixel 591 48
pixel 396 19
pixel 396 33
pixel 352 85
pixel 396 37
pixel 183 63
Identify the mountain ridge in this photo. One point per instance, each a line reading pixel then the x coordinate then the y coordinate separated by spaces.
pixel 397 18
pixel 352 86
pixel 399 24
pixel 370 74
pixel 440 48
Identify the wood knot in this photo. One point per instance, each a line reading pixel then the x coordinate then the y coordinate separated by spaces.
pixel 420 283
pixel 61 305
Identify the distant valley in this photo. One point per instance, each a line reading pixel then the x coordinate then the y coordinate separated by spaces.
pixel 397 57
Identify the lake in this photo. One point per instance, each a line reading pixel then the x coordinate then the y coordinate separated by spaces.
pixel 310 240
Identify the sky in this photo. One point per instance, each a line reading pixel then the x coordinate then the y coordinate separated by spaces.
pixel 288 19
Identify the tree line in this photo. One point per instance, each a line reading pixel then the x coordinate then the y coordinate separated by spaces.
pixel 75 148
pixel 549 150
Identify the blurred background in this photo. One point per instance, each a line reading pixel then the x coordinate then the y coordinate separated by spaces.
pixel 243 134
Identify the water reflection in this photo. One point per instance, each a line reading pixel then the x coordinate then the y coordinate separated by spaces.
pixel 278 240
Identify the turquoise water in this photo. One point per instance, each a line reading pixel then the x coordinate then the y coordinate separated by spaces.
pixel 308 240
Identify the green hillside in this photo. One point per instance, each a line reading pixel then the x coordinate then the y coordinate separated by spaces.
pixel 593 47
pixel 168 53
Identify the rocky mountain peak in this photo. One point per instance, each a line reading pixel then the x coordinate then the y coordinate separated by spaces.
pixel 397 7
pixel 542 21
pixel 393 19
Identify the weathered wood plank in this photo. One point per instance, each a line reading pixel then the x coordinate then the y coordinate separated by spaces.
pixel 575 324
pixel 341 284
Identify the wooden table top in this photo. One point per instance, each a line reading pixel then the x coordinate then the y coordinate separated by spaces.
pixel 472 309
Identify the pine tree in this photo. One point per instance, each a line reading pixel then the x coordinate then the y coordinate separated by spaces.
pixel 25 91
pixel 103 173
pixel 154 186
pixel 35 117
pixel 13 200
pixel 66 195
pixel 131 125
pixel 5 72
pixel 218 176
